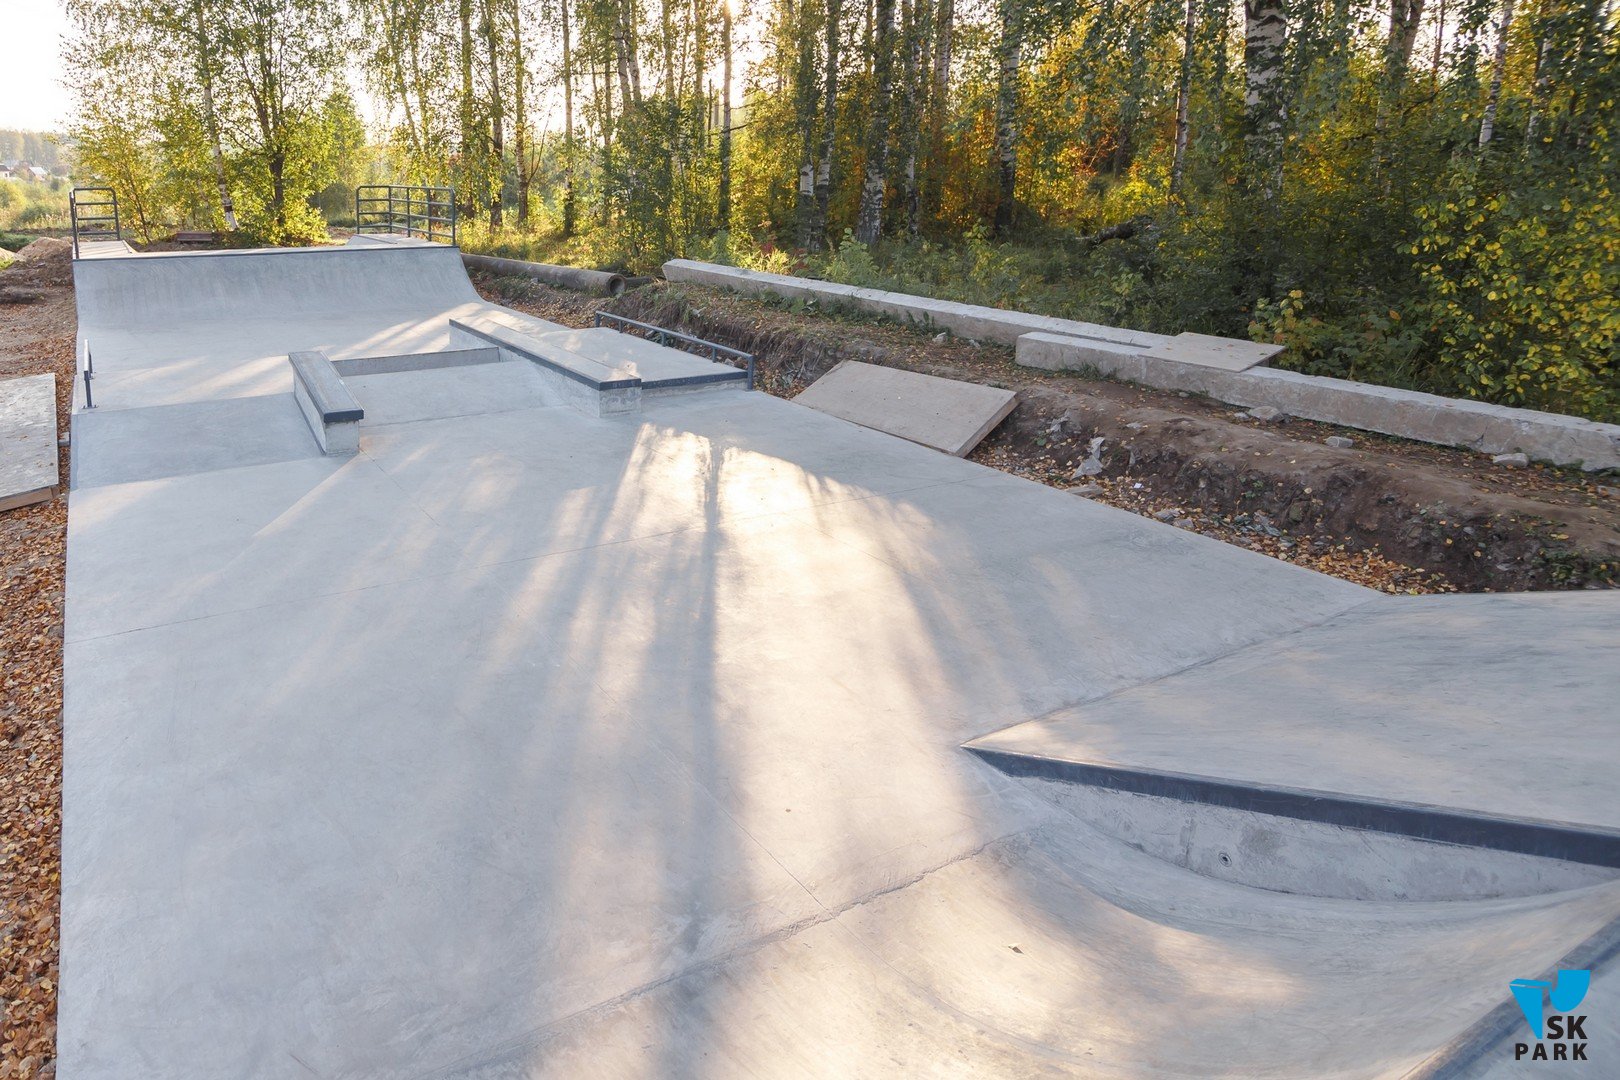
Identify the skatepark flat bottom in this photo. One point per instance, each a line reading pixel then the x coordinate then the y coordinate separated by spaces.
pixel 524 743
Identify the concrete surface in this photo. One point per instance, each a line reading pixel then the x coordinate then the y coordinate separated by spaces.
pixel 529 743
pixel 28 463
pixel 1206 350
pixel 1475 425
pixel 654 364
pixel 1379 701
pixel 940 413
pixel 1311 858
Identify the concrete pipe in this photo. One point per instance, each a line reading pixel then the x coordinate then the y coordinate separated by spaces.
pixel 568 277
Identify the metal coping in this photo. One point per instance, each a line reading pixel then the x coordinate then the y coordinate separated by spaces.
pixel 1593 845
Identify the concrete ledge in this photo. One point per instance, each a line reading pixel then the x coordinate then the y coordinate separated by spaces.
pixel 389 365
pixel 1590 844
pixel 1408 414
pixel 964 320
pixel 331 411
pixel 592 388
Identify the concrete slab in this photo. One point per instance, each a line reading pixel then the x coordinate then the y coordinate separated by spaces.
pixel 28 462
pixel 1494 705
pixel 1206 350
pixel 117 446
pixel 942 413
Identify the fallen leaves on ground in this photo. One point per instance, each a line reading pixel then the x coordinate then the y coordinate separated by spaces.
pixel 33 540
pixel 1325 554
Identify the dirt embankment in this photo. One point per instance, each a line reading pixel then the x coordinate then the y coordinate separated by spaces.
pixel 1399 515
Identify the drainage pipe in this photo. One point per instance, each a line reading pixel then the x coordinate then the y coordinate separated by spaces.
pixel 568 277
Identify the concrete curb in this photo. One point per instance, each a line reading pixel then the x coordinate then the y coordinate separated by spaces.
pixel 964 320
pixel 1408 414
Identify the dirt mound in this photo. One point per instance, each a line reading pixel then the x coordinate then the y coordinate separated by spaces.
pixel 46 261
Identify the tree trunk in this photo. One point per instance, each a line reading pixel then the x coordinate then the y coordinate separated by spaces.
pixel 1540 90
pixel 497 119
pixel 569 210
pixel 940 103
pixel 1008 53
pixel 1178 162
pixel 829 124
pixel 469 198
pixel 1405 18
pixel 624 49
pixel 205 69
pixel 1264 104
pixel 725 116
pixel 911 119
pixel 520 116
pixel 804 106
pixel 1487 123
pixel 869 224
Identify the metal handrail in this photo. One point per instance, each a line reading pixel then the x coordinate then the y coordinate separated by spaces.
pixel 93 226
pixel 665 335
pixel 405 209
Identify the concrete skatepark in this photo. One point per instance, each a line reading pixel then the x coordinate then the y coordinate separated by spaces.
pixel 558 730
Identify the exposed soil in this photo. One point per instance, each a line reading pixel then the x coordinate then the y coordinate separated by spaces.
pixel 35 336
pixel 1397 515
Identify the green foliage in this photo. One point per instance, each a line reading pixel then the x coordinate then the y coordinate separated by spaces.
pixel 1521 291
pixel 27 205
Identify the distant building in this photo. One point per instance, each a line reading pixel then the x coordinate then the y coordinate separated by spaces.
pixel 8 173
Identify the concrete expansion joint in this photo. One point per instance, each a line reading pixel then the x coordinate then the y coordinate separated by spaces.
pixel 531 1041
pixel 1297 631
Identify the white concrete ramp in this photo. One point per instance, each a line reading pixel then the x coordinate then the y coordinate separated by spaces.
pixel 944 414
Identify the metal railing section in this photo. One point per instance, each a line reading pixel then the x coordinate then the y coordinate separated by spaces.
pixel 664 336
pixel 94 211
pixel 406 210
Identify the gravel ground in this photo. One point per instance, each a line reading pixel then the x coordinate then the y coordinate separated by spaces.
pixel 35 337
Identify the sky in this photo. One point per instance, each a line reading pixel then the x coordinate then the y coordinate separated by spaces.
pixel 32 97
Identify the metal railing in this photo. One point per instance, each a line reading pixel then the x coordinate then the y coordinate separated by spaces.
pixel 89 371
pixel 664 336
pixel 89 208
pixel 401 209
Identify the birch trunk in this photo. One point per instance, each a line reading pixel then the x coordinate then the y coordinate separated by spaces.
pixel 1009 52
pixel 1487 122
pixel 1264 104
pixel 869 223
pixel 1178 162
pixel 205 69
